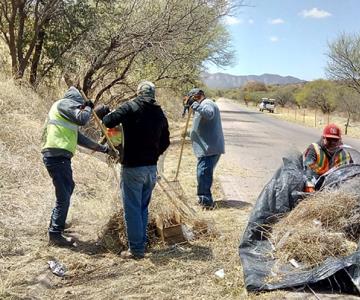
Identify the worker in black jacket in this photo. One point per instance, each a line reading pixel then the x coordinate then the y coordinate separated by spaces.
pixel 146 137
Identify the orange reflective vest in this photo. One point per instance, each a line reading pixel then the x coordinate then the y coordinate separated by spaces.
pixel 115 135
pixel 322 163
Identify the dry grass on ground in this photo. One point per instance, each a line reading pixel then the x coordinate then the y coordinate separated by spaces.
pixel 26 198
pixel 324 225
pixel 312 118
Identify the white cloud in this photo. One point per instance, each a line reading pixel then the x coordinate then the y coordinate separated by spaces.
pixel 228 20
pixel 315 13
pixel 251 21
pixel 276 21
pixel 274 39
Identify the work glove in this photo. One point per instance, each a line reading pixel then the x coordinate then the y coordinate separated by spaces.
pixel 190 101
pixel 187 101
pixel 309 188
pixel 186 107
pixel 101 110
pixel 89 103
pixel 112 153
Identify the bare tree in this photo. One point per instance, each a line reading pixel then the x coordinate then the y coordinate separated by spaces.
pixel 161 40
pixel 21 22
pixel 166 41
pixel 344 60
pixel 39 33
pixel 348 102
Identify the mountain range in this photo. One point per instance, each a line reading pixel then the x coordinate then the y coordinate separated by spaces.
pixel 227 81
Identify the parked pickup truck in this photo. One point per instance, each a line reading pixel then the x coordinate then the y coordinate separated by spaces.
pixel 267 104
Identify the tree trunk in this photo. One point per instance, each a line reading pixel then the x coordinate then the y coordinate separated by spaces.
pixel 36 57
pixel 347 124
pixel 12 42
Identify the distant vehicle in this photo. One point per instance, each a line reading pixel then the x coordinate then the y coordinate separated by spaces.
pixel 267 104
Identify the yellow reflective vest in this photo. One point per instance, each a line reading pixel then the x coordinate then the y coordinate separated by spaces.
pixel 59 132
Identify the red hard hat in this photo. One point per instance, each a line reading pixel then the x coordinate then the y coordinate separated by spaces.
pixel 332 131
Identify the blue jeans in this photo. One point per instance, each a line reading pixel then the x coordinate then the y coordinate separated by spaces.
pixel 59 169
pixel 205 171
pixel 137 185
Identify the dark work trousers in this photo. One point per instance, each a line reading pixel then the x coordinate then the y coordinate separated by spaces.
pixel 59 169
pixel 205 170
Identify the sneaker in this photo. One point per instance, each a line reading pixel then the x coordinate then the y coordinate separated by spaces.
pixel 129 255
pixel 60 240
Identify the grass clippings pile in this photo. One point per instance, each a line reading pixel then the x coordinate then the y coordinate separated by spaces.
pixel 112 236
pixel 162 211
pixel 323 225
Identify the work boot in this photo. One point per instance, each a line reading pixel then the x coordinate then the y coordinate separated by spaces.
pixel 206 204
pixel 209 207
pixel 129 255
pixel 60 240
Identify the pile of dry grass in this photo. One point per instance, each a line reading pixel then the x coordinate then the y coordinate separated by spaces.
pixel 324 225
pixel 170 205
pixel 113 237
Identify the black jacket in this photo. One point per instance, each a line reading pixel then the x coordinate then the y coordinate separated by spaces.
pixel 146 130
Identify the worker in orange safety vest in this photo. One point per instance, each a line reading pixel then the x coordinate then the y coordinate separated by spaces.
pixel 115 134
pixel 320 157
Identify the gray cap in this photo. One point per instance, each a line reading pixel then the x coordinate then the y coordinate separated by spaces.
pixel 146 87
pixel 195 91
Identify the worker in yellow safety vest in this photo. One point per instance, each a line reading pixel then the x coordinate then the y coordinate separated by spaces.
pixel 320 157
pixel 60 138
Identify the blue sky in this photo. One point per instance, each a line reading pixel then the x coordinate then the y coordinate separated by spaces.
pixel 288 37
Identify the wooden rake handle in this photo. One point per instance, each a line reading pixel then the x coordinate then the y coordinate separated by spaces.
pixel 183 143
pixel 99 123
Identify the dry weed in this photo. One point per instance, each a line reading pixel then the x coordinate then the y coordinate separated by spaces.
pixel 321 226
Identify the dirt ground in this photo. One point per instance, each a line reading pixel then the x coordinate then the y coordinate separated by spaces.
pixel 185 271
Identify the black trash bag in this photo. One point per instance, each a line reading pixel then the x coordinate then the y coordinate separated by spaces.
pixel 279 196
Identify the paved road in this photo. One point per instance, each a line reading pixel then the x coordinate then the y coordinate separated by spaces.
pixel 256 142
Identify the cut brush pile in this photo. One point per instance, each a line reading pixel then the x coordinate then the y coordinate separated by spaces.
pixel 323 225
pixel 169 208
